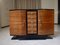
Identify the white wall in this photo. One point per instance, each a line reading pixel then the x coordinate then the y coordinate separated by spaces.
pixel 5 5
pixel 45 4
pixel 51 4
pixel 28 4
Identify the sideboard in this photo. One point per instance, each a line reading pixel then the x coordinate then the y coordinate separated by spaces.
pixel 31 22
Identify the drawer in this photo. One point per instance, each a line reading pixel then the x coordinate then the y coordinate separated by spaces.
pixel 32 31
pixel 31 22
pixel 31 12
pixel 34 26
pixel 31 15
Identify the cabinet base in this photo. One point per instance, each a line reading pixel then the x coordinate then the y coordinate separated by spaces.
pixel 31 37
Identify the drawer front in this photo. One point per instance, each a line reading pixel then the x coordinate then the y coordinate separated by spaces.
pixel 18 23
pixel 31 22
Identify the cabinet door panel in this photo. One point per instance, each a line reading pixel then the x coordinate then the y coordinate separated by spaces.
pixel 18 22
pixel 45 22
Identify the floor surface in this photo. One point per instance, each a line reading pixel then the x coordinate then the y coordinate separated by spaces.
pixel 5 38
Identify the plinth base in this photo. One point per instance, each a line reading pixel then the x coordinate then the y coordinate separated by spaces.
pixel 31 37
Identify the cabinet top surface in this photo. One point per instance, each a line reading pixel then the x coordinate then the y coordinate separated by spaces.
pixel 29 9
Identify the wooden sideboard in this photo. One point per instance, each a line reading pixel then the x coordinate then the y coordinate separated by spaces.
pixel 31 21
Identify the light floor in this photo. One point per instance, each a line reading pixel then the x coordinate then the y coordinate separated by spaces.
pixel 5 38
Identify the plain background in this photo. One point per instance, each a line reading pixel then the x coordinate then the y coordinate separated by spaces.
pixel 6 5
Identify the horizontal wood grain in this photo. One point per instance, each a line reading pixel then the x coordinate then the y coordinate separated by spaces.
pixel 18 22
pixel 39 21
pixel 45 22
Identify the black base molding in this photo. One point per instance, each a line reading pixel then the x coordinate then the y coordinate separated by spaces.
pixel 31 37
pixel 5 26
pixel 56 24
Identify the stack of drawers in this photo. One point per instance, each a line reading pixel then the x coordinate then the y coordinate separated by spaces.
pixel 32 22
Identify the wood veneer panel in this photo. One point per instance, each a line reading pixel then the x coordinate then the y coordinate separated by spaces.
pixel 18 22
pixel 45 22
pixel 32 22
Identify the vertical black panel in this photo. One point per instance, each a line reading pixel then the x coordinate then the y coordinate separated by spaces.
pixel 58 11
